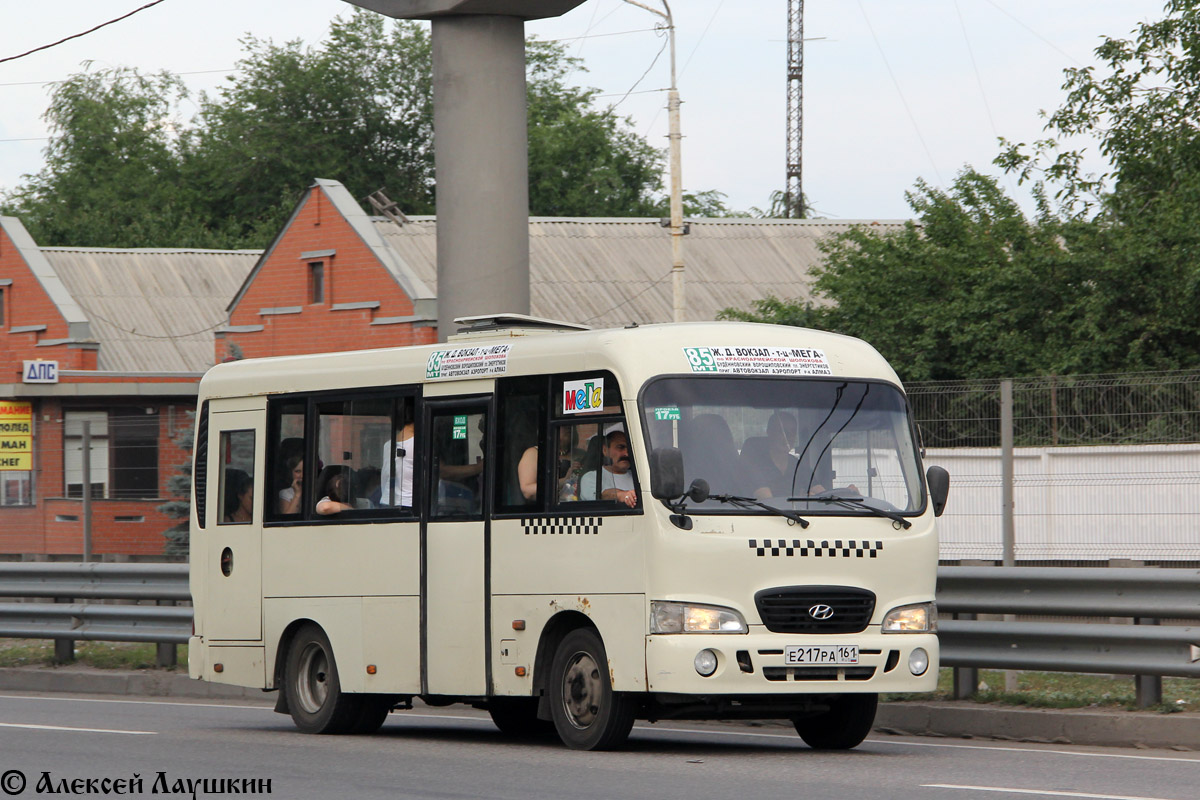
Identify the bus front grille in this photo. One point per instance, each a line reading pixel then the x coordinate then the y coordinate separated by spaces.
pixel 815 609
pixel 818 673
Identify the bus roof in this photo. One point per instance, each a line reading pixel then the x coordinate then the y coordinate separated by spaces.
pixel 635 354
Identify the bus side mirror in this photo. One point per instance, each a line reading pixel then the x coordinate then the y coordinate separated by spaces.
pixel 666 473
pixel 939 488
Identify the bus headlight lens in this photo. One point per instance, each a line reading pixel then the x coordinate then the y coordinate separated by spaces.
pixel 918 661
pixel 668 617
pixel 917 618
pixel 705 663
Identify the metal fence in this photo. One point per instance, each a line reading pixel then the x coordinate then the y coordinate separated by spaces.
pixel 59 615
pixel 1122 408
pixel 1103 467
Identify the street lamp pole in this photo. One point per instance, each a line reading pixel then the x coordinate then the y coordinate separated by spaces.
pixel 675 137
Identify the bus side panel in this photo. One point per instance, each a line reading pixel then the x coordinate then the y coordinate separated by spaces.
pixel 576 554
pixel 330 560
pixel 240 666
pixel 620 619
pixel 391 641
pixel 342 620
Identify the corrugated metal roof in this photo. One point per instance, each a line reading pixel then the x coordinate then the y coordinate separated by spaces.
pixel 152 310
pixel 609 272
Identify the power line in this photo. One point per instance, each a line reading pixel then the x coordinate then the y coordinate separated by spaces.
pixel 903 100
pixel 77 35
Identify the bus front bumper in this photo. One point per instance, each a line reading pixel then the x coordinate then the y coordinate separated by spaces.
pixel 757 663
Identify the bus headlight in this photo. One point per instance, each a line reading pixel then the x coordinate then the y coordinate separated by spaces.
pixel 668 617
pixel 917 618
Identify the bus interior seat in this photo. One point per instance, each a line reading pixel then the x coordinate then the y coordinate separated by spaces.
pixel 709 453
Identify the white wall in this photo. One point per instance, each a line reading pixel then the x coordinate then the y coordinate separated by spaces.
pixel 1138 502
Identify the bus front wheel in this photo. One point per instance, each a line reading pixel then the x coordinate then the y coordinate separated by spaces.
pixel 844 725
pixel 315 698
pixel 587 713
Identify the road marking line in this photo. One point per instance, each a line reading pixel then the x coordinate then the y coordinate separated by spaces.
pixel 1038 750
pixel 75 730
pixel 1042 792
pixel 42 699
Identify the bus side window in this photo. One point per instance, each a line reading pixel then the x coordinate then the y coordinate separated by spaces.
pixel 459 442
pixel 520 455
pixel 236 493
pixel 352 436
pixel 285 479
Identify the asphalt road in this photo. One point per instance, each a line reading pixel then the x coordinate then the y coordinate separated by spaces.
pixel 457 753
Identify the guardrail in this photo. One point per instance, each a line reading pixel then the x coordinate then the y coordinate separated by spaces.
pixel 66 621
pixel 1146 650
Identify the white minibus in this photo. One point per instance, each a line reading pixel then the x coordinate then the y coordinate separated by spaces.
pixel 572 529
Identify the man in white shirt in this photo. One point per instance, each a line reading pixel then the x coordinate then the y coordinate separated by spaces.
pixel 616 475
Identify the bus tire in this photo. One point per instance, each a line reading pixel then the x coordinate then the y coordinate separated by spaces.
pixel 373 712
pixel 315 698
pixel 844 725
pixel 517 717
pixel 587 713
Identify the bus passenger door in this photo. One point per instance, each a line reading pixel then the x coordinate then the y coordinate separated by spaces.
pixel 234 526
pixel 454 536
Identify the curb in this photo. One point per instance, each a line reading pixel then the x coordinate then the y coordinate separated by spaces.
pixel 1086 726
pixel 960 719
pixel 97 681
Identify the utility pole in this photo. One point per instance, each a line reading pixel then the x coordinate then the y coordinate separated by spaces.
pixel 675 138
pixel 793 195
pixel 480 149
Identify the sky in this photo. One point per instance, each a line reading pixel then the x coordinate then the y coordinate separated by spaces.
pixel 894 90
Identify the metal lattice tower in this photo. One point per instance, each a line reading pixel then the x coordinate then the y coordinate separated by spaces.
pixel 793 194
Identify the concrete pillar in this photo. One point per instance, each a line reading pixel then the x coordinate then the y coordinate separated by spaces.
pixel 480 151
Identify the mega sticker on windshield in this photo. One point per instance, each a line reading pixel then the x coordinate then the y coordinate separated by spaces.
pixel 758 360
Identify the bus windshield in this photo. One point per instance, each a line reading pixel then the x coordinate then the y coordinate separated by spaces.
pixel 840 443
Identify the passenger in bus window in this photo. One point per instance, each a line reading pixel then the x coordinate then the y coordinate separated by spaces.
pixel 396 475
pixel 527 473
pixel 768 461
pixel 239 495
pixel 289 498
pixel 333 486
pixel 615 476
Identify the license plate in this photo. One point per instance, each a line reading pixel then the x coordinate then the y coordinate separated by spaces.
pixel 818 654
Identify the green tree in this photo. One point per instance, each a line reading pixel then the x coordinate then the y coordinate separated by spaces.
pixel 124 168
pixel 1142 237
pixel 972 290
pixel 583 160
pixel 357 108
pixel 114 165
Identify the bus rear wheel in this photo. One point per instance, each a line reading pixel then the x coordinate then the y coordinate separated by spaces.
pixel 844 725
pixel 587 713
pixel 315 698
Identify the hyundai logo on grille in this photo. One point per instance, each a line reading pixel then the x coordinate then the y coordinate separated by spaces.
pixel 820 611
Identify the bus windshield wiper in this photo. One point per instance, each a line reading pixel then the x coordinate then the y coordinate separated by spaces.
pixel 753 502
pixel 853 501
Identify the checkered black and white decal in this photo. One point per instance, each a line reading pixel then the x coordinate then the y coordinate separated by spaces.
pixel 784 547
pixel 565 525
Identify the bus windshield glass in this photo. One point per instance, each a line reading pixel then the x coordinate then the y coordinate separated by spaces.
pixel 840 443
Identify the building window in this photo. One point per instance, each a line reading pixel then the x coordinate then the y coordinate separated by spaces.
pixel 316 282
pixel 124 453
pixel 73 455
pixel 1 306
